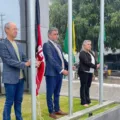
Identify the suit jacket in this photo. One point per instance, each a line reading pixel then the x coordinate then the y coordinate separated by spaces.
pixel 85 61
pixel 53 61
pixel 11 64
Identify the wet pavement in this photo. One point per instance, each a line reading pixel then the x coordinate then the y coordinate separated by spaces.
pixel 111 89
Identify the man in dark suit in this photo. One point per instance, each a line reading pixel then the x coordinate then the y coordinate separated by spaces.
pixel 14 63
pixel 56 67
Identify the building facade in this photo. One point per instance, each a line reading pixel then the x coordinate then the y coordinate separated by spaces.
pixel 44 21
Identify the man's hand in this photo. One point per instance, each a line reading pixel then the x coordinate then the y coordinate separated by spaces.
pixel 28 63
pixel 73 67
pixel 65 72
pixel 38 63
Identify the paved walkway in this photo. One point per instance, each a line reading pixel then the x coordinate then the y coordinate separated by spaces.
pixel 110 91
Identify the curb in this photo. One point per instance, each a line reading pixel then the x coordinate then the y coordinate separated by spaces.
pixel 87 110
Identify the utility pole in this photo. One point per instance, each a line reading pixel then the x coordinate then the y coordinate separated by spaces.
pixel 2 29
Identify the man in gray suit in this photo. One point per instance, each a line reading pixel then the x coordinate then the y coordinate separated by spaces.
pixel 14 63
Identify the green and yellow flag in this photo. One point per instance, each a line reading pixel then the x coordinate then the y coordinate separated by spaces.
pixel 73 41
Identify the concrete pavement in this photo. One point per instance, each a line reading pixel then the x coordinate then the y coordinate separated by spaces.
pixel 111 91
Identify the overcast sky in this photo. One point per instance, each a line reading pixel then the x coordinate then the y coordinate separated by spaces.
pixel 11 10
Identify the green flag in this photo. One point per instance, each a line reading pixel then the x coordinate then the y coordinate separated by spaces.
pixel 65 48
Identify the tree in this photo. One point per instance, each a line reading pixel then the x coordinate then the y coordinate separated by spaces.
pixel 112 22
pixel 87 22
pixel 58 18
pixel 86 15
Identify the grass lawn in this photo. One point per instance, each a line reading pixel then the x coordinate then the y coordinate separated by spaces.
pixel 42 112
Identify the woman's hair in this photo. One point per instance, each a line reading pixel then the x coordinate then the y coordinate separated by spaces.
pixel 85 42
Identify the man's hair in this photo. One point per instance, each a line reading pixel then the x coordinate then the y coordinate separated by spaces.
pixel 7 25
pixel 52 29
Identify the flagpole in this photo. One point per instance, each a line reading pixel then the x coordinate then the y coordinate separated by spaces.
pixel 101 50
pixel 31 38
pixel 70 56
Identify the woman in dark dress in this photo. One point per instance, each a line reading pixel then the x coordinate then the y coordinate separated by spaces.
pixel 87 65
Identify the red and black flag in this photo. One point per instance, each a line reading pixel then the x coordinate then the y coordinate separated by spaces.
pixel 39 51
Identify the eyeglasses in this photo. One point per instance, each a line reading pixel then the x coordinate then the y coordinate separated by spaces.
pixel 16 29
pixel 56 34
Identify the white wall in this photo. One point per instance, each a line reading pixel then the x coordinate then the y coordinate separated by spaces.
pixel 44 15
